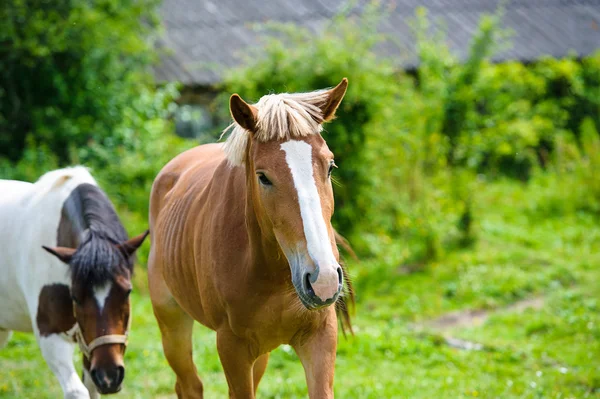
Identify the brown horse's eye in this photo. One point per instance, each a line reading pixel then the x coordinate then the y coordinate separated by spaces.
pixel 331 166
pixel 264 180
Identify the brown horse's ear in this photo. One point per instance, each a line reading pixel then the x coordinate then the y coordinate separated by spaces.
pixel 131 245
pixel 63 253
pixel 335 98
pixel 243 113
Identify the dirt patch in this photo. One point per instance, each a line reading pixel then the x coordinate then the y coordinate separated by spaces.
pixel 474 318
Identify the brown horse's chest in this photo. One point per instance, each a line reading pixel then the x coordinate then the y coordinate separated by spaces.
pixel 207 268
pixel 270 320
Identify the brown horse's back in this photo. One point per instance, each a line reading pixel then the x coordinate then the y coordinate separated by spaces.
pixel 200 161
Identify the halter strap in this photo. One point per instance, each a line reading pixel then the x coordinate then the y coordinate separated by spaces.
pixel 76 335
pixel 87 349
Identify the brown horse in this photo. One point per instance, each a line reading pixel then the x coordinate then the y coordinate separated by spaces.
pixel 242 242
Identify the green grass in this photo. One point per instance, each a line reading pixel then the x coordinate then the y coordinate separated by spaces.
pixel 522 251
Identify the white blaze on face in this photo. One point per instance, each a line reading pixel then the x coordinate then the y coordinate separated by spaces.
pixel 298 155
pixel 101 293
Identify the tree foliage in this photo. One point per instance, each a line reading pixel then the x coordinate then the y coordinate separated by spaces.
pixel 71 73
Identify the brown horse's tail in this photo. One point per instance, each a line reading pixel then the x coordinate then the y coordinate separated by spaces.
pixel 345 305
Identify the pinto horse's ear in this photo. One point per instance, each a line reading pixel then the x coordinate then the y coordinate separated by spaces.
pixel 335 98
pixel 131 245
pixel 63 253
pixel 243 113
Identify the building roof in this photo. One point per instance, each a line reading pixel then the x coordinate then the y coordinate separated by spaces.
pixel 204 37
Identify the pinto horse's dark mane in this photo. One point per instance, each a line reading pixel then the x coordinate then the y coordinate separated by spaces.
pixel 90 221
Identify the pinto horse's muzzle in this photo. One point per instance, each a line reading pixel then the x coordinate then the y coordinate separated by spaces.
pixel 108 380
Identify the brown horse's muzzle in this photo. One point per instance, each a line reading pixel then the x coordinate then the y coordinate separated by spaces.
pixel 323 286
pixel 318 287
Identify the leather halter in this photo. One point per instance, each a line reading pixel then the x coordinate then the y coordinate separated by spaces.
pixel 75 334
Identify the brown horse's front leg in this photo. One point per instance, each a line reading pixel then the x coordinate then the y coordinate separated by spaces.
pixel 237 357
pixel 317 354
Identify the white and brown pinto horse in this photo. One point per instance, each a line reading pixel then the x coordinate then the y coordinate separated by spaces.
pixel 77 289
pixel 242 242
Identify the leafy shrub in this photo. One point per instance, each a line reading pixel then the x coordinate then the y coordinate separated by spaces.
pixel 571 183
pixel 70 73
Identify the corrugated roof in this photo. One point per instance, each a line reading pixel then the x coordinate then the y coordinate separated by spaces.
pixel 204 37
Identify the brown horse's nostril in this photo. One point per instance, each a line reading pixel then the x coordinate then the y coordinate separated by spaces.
pixel 308 286
pixel 340 275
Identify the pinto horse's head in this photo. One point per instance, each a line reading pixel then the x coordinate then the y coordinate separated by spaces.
pixel 288 167
pixel 101 273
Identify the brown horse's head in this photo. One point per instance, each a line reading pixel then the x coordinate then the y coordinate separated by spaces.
pixel 101 271
pixel 288 167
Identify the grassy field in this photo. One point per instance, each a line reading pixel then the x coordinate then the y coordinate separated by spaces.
pixel 406 344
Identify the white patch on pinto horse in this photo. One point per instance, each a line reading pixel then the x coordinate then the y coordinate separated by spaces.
pixel 89 384
pixel 58 353
pixel 298 155
pixel 101 294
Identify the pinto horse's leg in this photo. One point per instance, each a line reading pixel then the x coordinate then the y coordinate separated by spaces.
pixel 89 384
pixel 258 370
pixel 237 357
pixel 4 337
pixel 87 379
pixel 317 354
pixel 58 353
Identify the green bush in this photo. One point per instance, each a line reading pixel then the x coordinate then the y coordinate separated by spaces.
pixel 571 184
pixel 71 73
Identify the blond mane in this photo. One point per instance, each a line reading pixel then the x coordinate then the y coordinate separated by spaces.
pixel 280 116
